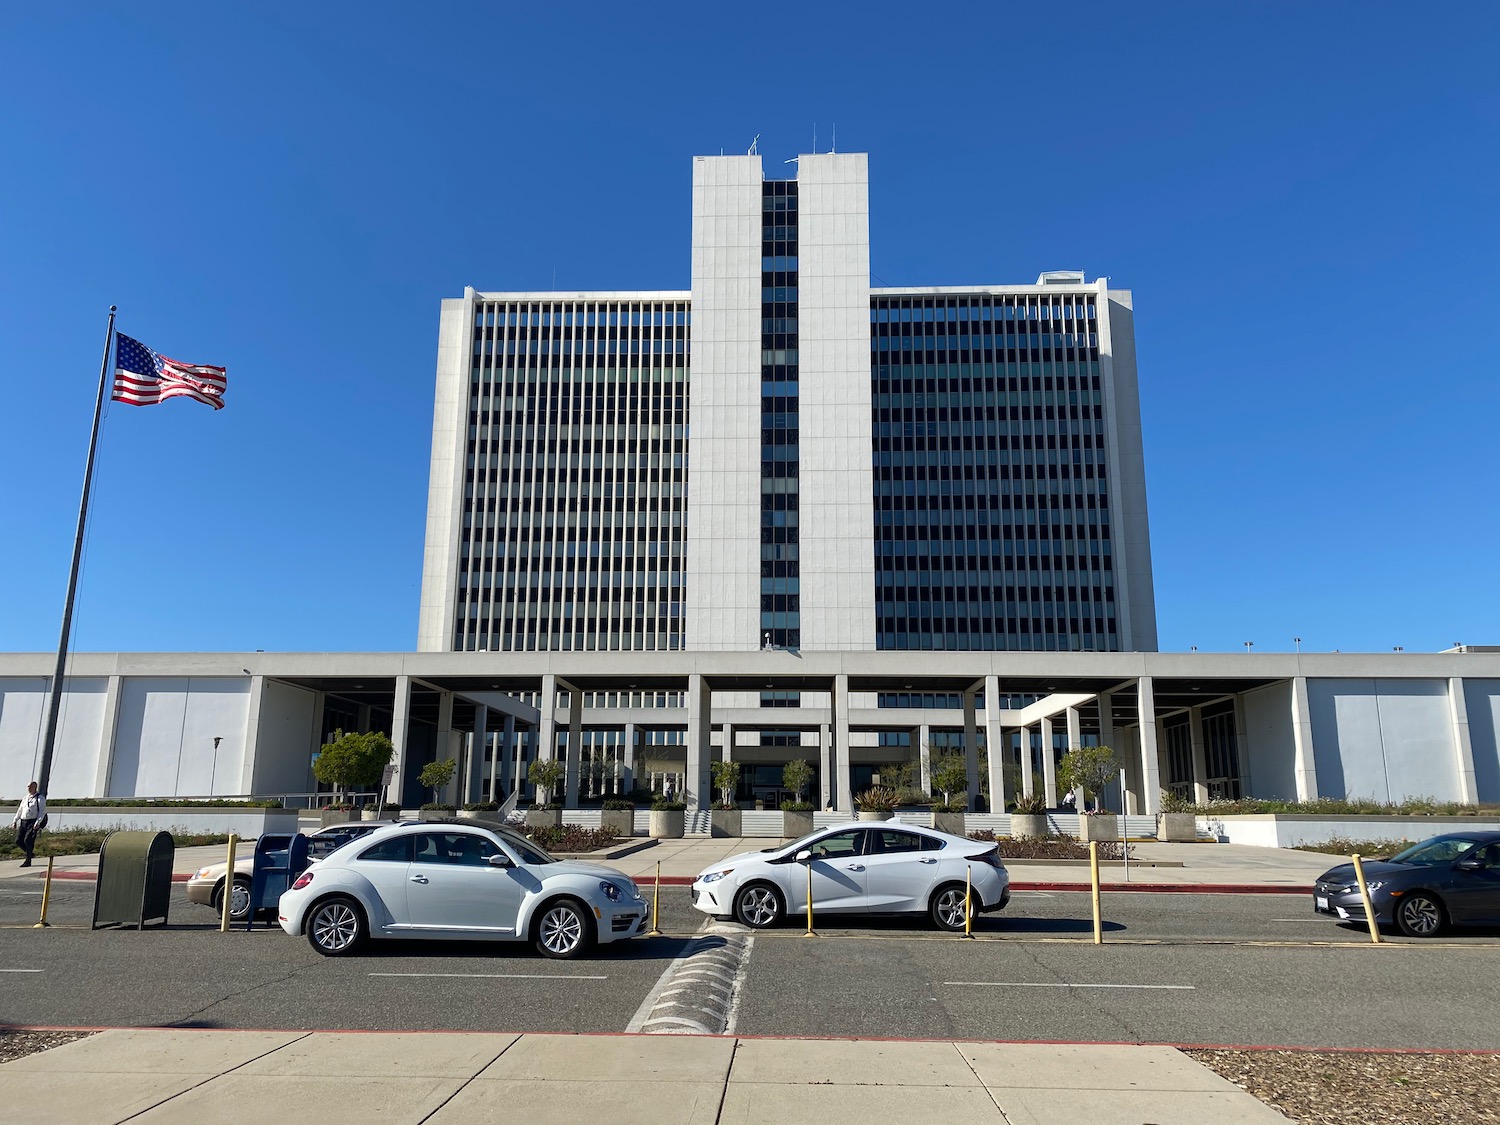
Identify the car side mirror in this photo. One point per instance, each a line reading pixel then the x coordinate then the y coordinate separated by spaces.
pixel 1470 865
pixel 804 855
pixel 500 861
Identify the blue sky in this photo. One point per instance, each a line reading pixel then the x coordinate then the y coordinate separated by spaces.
pixel 1301 196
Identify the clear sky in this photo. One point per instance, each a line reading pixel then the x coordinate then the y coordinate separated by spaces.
pixel 1302 197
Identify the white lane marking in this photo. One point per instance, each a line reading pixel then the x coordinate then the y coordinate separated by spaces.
pixel 1319 918
pixel 643 1013
pixel 1047 984
pixel 23 970
pixel 493 976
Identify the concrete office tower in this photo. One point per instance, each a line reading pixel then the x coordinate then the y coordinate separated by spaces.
pixel 784 456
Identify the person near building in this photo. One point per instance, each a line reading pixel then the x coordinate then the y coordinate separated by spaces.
pixel 30 816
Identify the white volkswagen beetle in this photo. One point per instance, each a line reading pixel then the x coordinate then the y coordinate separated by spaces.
pixel 460 882
pixel 884 867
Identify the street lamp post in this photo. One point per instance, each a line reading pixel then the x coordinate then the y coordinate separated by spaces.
pixel 214 769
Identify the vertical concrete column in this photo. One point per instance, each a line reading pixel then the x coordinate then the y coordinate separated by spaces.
pixel 1075 740
pixel 575 746
pixel 444 749
pixel 1150 764
pixel 474 783
pixel 627 776
pixel 924 756
pixel 1302 742
pixel 729 742
pixel 505 757
pixel 105 762
pixel 1049 764
pixel 546 731
pixel 1242 747
pixel 996 743
pixel 400 733
pixel 1200 760
pixel 1028 774
pixel 826 784
pixel 1111 738
pixel 840 746
pixel 971 751
pixel 700 696
pixel 1463 749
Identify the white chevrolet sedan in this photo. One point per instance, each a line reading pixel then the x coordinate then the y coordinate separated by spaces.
pixel 882 867
pixel 460 882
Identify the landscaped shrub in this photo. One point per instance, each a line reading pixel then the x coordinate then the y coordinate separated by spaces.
pixel 570 837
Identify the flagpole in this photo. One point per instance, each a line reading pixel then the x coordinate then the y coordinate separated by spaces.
pixel 50 738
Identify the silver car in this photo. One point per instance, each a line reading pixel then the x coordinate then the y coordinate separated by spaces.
pixel 461 882
pixel 206 885
pixel 884 867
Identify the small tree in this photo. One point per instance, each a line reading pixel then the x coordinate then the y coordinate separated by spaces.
pixel 797 775
pixel 435 775
pixel 726 781
pixel 353 761
pixel 1089 768
pixel 950 775
pixel 545 773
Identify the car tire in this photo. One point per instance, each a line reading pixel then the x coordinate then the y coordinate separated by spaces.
pixel 1420 915
pixel 947 909
pixel 563 929
pixel 759 906
pixel 239 902
pixel 335 926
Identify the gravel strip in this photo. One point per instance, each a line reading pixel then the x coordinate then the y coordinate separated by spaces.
pixel 1366 1088
pixel 17 1044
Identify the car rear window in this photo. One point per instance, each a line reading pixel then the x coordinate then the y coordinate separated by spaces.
pixel 397 849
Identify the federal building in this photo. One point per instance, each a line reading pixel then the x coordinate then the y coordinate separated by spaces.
pixel 780 514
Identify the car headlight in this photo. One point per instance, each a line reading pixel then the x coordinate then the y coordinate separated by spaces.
pixel 203 873
pixel 714 876
pixel 1372 887
pixel 611 891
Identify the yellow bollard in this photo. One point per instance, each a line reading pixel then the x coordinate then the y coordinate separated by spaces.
pixel 969 902
pixel 810 931
pixel 1094 875
pixel 46 897
pixel 1364 894
pixel 655 930
pixel 228 887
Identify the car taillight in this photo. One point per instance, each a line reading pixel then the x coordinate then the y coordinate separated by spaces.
pixel 302 880
pixel 991 857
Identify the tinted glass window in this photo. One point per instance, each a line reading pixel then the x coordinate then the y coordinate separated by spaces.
pixel 455 849
pixel 839 845
pixel 395 850
pixel 888 841
pixel 1431 853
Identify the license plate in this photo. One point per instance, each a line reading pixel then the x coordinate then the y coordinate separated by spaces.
pixel 1320 902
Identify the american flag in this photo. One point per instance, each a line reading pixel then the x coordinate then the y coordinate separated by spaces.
pixel 143 378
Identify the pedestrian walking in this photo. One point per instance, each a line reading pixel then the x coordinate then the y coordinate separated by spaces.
pixel 31 816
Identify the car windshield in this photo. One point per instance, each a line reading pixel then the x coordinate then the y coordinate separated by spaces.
pixel 796 846
pixel 529 852
pixel 1435 852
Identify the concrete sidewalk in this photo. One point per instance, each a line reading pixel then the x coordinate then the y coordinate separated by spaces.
pixel 1183 867
pixel 469 1078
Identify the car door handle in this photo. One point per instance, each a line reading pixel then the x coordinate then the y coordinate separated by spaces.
pixel 926 859
pixel 855 867
pixel 419 878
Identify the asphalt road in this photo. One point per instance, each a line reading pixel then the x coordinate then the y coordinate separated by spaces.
pixel 1188 969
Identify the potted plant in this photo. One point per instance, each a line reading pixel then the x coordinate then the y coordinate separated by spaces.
pixel 950 776
pixel 436 776
pixel 382 810
pixel 668 818
pixel 877 802
pixel 437 809
pixel 480 810
pixel 724 819
pixel 1091 768
pixel 796 814
pixel 351 761
pixel 1178 819
pixel 617 816
pixel 1028 818
pixel 338 812
pixel 545 774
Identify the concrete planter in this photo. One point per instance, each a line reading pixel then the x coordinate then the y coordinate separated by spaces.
pixel 796 824
pixel 617 822
pixel 1028 826
pixel 949 822
pixel 375 814
pixel 544 818
pixel 875 814
pixel 1177 827
pixel 336 816
pixel 1288 830
pixel 725 822
pixel 668 824
pixel 1100 826
pixel 204 819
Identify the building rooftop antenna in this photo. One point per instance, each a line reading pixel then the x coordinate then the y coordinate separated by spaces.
pixel 834 144
pixel 753 151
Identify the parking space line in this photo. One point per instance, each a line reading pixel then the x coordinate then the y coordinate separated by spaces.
pixel 493 976
pixel 23 970
pixel 1050 984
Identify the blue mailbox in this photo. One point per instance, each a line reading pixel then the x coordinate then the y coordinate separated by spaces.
pixel 279 859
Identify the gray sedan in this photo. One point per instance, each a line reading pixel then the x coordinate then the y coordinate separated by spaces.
pixel 1453 879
